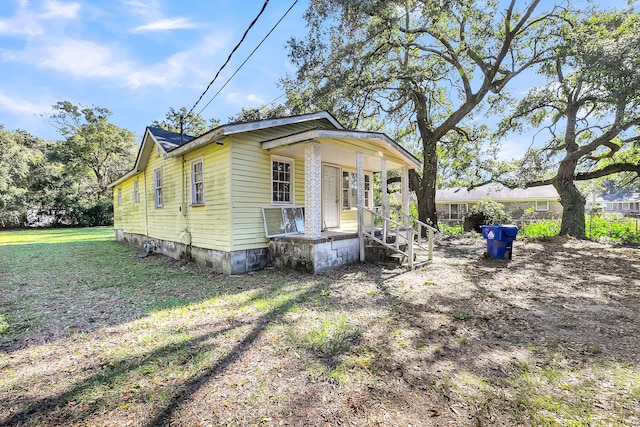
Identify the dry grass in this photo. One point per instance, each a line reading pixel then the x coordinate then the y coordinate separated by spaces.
pixel 91 335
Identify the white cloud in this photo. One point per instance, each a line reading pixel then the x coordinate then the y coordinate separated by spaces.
pixel 57 9
pixel 29 23
pixel 149 8
pixel 110 63
pixel 255 99
pixel 74 57
pixel 166 24
pixel 17 105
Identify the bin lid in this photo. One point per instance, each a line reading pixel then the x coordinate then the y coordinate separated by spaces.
pixel 509 230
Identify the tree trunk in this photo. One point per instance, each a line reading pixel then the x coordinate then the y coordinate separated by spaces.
pixel 427 192
pixel 573 203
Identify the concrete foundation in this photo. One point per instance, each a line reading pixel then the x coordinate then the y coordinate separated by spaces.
pixel 233 262
pixel 314 255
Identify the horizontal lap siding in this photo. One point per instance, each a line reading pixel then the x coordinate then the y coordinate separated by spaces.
pixel 210 225
pixel 349 218
pixel 167 222
pixel 130 216
pixel 251 190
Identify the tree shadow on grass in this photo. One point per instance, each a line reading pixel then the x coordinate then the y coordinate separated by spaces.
pixel 552 302
pixel 52 291
pixel 175 353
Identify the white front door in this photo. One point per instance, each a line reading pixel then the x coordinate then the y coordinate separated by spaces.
pixel 330 196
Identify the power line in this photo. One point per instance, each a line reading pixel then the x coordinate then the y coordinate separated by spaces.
pixel 264 6
pixel 250 55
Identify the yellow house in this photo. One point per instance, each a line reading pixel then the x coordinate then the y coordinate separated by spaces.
pixel 283 191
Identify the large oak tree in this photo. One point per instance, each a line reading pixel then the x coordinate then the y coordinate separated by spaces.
pixel 417 69
pixel 589 108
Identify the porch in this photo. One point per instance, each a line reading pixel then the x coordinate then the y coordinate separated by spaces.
pixel 389 238
pixel 340 221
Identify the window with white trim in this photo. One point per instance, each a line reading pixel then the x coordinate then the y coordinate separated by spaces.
pixel 457 210
pixel 197 182
pixel 542 205
pixel 626 206
pixel 607 206
pixel 282 175
pixel 136 190
pixel 350 190
pixel 119 195
pixel 157 184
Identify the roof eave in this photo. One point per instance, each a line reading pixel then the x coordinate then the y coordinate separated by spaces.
pixel 342 134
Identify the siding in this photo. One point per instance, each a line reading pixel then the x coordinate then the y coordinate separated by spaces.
pixel 348 218
pixel 130 216
pixel 210 225
pixel 251 190
pixel 167 222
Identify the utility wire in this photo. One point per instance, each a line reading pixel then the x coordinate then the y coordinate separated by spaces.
pixel 264 6
pixel 249 57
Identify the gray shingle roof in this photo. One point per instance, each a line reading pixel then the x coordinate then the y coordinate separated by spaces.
pixel 169 140
pixel 496 192
pixel 620 197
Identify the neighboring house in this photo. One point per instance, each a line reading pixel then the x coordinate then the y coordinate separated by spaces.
pixel 624 203
pixel 521 203
pixel 242 195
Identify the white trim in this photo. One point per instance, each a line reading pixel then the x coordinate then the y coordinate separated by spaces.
pixel 542 209
pixel 157 189
pixel 375 138
pixel 353 190
pixel 120 195
pixel 136 190
pixel 628 206
pixel 291 182
pixel 312 190
pixel 194 162
pixel 460 215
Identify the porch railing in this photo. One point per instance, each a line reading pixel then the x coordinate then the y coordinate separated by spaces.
pixel 385 221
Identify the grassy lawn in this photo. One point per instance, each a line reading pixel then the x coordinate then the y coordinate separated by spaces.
pixel 92 335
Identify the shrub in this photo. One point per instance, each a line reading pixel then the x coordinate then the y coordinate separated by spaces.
pixel 485 212
pixel 451 230
pixel 542 229
pixel 609 228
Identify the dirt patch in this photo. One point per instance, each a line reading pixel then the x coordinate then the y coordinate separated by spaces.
pixel 548 338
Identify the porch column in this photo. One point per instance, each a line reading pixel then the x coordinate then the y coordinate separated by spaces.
pixel 360 177
pixel 384 188
pixel 405 190
pixel 312 190
pixel 360 190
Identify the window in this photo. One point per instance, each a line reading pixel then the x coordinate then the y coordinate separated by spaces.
pixel 197 182
pixel 350 190
pixel 281 180
pixel 607 206
pixel 626 206
pixel 136 191
pixel 457 210
pixel 119 195
pixel 157 179
pixel 542 206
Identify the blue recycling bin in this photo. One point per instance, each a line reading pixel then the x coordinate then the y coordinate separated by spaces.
pixel 499 239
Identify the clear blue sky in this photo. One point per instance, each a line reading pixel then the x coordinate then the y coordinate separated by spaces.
pixel 137 58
